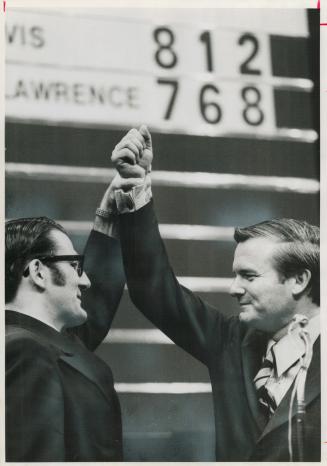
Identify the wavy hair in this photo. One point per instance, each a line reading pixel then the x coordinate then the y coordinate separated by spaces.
pixel 24 238
pixel 299 248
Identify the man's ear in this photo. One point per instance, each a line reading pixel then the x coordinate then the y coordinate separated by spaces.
pixel 301 282
pixel 37 273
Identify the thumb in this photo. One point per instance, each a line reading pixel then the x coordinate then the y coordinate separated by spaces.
pixel 147 136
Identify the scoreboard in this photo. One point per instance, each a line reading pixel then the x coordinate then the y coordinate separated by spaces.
pixel 200 72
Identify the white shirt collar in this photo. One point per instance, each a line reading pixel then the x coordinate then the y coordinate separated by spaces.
pixel 291 346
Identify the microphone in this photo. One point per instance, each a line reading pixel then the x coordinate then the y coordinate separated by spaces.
pixel 301 321
pixel 298 320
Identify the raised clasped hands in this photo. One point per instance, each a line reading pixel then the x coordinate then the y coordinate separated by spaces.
pixel 133 155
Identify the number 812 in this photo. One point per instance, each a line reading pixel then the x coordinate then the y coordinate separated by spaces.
pixel 166 57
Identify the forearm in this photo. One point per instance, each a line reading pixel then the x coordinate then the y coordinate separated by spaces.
pixel 106 225
pixel 104 267
pixel 153 287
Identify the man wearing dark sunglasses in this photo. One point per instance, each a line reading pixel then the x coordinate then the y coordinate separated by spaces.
pixel 61 404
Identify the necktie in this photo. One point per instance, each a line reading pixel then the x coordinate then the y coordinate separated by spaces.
pixel 266 400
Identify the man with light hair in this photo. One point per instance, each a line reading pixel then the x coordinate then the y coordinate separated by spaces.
pixel 264 364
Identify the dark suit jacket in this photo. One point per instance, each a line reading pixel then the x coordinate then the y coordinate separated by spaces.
pixel 60 399
pixel 230 350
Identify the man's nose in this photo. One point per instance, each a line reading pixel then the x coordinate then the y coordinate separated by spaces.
pixel 84 281
pixel 236 288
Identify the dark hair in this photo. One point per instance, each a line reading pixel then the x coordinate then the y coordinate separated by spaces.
pixel 24 238
pixel 299 248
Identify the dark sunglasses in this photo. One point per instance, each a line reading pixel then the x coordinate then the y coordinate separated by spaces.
pixel 79 259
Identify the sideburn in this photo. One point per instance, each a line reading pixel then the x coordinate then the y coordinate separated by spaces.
pixel 57 276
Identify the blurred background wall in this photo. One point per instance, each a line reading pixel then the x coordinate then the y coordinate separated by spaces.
pixel 231 99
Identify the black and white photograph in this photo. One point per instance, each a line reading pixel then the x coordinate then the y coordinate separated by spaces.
pixel 163 199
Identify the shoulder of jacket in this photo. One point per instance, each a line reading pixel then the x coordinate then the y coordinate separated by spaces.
pixel 28 344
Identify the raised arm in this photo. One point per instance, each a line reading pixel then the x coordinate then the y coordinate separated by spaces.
pixel 191 323
pixel 184 317
pixel 104 267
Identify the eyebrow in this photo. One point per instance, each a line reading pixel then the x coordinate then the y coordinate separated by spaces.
pixel 244 271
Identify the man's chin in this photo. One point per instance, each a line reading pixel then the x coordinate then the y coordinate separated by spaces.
pixel 83 315
pixel 246 312
pixel 79 318
pixel 253 321
pixel 248 316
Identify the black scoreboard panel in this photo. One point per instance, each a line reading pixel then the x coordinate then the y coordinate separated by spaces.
pixel 162 423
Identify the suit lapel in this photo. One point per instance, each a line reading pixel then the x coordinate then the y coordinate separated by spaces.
pixel 68 349
pixel 253 347
pixel 311 392
pixel 73 353
pixel 88 369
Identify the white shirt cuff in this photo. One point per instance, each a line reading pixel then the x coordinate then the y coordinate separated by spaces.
pixel 133 200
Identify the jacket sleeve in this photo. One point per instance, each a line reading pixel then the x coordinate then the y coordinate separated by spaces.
pixel 104 267
pixel 190 322
pixel 34 404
